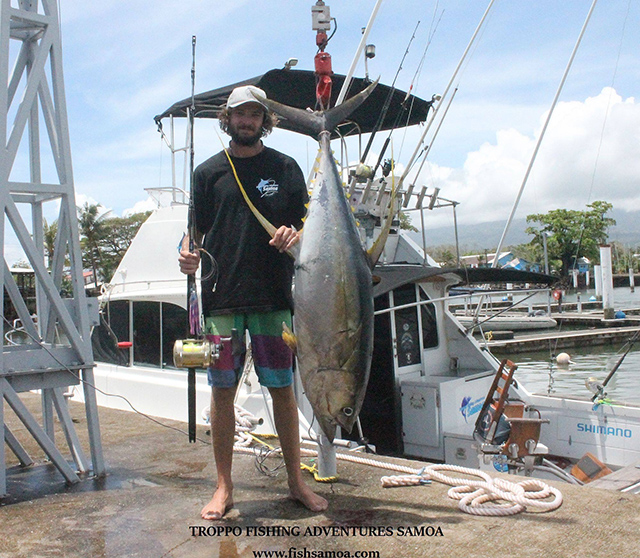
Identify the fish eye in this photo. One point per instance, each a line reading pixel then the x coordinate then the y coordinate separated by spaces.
pixel 347 411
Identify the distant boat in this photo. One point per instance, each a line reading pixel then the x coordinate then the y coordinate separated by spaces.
pixel 512 322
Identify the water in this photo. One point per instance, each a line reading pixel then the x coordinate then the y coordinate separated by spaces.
pixel 539 372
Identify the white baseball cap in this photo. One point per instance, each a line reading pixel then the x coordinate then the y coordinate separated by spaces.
pixel 246 94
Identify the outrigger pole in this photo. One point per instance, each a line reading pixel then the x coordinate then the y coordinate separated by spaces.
pixel 418 148
pixel 542 133
pixel 354 63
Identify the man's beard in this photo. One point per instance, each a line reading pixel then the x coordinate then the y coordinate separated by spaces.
pixel 244 140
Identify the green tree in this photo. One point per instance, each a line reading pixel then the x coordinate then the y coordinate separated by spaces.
pixel 572 234
pixel 445 256
pixel 90 223
pixel 50 233
pixel 405 222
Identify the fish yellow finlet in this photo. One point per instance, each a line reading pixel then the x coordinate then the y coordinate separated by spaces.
pixel 289 338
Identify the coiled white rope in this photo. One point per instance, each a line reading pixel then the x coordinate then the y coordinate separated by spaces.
pixel 475 496
pixel 246 423
pixel 487 497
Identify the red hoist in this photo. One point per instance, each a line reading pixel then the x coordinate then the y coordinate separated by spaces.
pixel 321 21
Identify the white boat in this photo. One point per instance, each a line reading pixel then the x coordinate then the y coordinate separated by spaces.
pixel 507 322
pixel 429 377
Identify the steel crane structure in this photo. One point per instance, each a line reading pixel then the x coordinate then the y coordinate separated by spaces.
pixel 54 348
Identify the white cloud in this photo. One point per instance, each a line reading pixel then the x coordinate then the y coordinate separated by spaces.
pixel 591 151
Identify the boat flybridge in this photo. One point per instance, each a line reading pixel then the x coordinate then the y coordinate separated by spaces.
pixel 434 392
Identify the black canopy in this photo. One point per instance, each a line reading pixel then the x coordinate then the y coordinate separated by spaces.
pixel 297 88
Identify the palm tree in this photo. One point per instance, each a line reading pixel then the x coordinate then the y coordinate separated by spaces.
pixel 90 223
pixel 50 232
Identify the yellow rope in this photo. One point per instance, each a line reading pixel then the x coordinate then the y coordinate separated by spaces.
pixel 314 471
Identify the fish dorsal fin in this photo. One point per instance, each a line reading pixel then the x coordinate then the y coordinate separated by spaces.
pixel 266 224
pixel 313 123
pixel 374 253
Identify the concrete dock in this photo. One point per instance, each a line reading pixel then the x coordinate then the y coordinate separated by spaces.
pixel 559 339
pixel 148 506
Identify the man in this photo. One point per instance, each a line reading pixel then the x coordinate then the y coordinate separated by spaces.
pixel 247 285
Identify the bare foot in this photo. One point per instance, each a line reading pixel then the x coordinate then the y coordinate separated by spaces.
pixel 308 498
pixel 220 504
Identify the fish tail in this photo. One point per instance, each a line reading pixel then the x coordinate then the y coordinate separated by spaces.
pixel 314 123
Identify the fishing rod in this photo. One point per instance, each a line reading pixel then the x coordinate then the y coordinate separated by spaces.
pixel 387 101
pixel 354 62
pixel 403 105
pixel 427 149
pixel 418 148
pixel 192 291
pixel 616 366
pixel 543 131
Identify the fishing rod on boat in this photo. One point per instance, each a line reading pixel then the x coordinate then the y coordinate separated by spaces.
pixel 418 148
pixel 403 105
pixel 387 101
pixel 600 388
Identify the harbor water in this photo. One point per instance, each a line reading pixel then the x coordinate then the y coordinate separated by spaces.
pixel 540 373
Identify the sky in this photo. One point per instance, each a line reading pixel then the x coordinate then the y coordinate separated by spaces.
pixel 125 62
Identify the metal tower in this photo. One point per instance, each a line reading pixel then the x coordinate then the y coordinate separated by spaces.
pixel 55 347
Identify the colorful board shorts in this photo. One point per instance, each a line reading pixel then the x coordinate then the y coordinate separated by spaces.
pixel 273 360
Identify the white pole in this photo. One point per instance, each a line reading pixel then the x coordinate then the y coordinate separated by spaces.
pixel 632 278
pixel 354 63
pixel 544 129
pixel 597 277
pixel 607 282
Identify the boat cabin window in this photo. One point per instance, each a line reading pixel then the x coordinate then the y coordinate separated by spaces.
pixel 117 314
pixel 429 324
pixel 156 326
pixel 113 328
pixel 408 324
pixel 174 326
pixel 146 333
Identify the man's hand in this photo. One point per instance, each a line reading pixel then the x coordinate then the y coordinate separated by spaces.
pixel 285 238
pixel 189 261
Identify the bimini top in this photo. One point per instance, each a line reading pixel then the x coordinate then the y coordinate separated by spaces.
pixel 297 88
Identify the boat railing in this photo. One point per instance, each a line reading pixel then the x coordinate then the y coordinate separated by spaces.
pixel 176 195
pixel 452 298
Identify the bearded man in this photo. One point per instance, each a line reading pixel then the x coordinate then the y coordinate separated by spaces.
pixel 250 287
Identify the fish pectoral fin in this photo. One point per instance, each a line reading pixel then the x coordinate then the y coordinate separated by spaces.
pixel 289 338
pixel 350 353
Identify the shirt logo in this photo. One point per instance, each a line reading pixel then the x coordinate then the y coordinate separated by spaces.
pixel 267 187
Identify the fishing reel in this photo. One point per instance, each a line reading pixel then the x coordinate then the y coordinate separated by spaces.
pixel 202 353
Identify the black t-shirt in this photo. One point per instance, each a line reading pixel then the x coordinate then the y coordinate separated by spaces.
pixel 252 275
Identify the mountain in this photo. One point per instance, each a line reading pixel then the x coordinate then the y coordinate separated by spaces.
pixel 485 236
